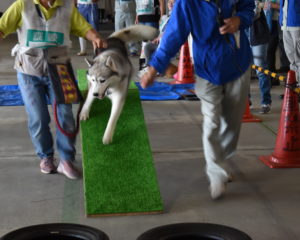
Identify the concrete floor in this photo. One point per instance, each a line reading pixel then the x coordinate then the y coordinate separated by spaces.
pixel 262 202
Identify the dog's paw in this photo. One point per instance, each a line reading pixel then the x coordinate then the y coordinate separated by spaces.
pixel 107 140
pixel 84 115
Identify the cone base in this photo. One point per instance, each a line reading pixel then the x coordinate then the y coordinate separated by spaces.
pixel 251 119
pixel 274 162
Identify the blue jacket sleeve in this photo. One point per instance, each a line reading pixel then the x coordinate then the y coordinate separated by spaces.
pixel 175 35
pixel 245 10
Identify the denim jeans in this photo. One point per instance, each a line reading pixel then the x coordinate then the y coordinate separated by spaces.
pixel 264 81
pixel 35 91
pixel 90 13
pixel 125 19
pixel 151 24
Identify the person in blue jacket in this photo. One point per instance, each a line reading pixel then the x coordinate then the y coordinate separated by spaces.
pixel 222 57
pixel 289 19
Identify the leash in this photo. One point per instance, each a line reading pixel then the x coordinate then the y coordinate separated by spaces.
pixel 64 132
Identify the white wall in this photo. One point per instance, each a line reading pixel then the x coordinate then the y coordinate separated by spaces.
pixel 4 4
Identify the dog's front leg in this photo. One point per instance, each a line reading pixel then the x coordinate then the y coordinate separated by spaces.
pixel 85 111
pixel 116 109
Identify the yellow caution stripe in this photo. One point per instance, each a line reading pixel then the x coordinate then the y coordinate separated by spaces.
pixel 268 72
pixel 273 75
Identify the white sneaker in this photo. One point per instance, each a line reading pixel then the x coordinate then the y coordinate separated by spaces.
pixel 265 108
pixel 217 188
pixel 218 181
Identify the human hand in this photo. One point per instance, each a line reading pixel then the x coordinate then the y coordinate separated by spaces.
pixel 93 36
pixel 231 25
pixel 148 77
pixel 99 43
pixel 156 40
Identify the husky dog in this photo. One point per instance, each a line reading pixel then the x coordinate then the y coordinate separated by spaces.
pixel 110 72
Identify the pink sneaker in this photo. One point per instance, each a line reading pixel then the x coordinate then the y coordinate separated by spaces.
pixel 67 168
pixel 47 165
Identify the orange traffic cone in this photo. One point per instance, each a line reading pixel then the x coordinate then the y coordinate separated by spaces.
pixel 185 72
pixel 287 148
pixel 248 117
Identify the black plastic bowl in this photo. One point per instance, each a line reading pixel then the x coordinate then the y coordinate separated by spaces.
pixel 194 231
pixel 56 231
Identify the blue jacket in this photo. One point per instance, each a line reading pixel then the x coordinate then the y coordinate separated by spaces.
pixel 214 58
pixel 293 13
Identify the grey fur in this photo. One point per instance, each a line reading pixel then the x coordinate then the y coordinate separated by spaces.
pixel 110 72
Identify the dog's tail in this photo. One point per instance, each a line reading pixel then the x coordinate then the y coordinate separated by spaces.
pixel 136 33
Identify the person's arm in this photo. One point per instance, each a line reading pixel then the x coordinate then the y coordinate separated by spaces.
pixel 93 36
pixel 162 7
pixel 232 25
pixel 242 19
pixel 81 28
pixel 174 36
pixel 245 11
pixel 11 19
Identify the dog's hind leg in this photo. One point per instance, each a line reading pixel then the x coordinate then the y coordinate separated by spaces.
pixel 118 101
pixel 85 111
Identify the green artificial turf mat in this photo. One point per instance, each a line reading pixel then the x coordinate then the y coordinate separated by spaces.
pixel 119 178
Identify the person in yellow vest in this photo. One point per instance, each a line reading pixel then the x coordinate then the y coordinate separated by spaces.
pixel 42 24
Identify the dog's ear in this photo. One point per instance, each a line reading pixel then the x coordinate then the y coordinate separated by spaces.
pixel 89 62
pixel 111 64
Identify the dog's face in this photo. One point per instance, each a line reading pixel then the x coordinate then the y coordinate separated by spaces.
pixel 102 75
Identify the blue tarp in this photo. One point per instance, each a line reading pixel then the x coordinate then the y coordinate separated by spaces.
pixel 161 91
pixel 10 94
